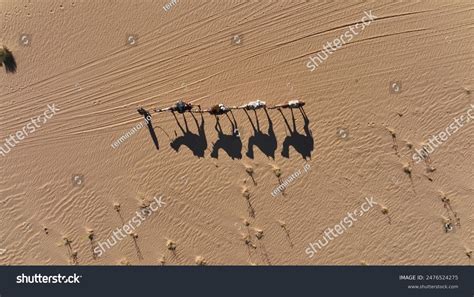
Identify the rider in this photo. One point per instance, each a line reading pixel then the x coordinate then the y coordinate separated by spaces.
pixel 254 105
pixel 290 104
pixel 180 107
pixel 219 109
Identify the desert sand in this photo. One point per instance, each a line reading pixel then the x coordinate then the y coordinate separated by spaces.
pixel 98 61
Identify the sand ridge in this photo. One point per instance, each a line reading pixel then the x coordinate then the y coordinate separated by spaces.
pixel 220 210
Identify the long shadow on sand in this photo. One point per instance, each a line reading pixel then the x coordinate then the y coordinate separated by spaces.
pixel 147 117
pixel 267 143
pixel 230 143
pixel 302 143
pixel 197 143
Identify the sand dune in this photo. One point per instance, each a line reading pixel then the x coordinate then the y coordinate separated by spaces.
pixel 219 207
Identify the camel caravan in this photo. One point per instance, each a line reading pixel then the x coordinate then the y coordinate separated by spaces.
pixel 220 109
pixel 231 143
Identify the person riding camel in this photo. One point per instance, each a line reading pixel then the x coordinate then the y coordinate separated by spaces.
pixel 180 107
pixel 290 104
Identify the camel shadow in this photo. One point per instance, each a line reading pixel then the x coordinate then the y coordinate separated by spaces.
pixel 230 143
pixel 267 143
pixel 197 143
pixel 302 143
pixel 147 117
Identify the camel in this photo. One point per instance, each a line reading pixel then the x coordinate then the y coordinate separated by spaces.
pixel 180 107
